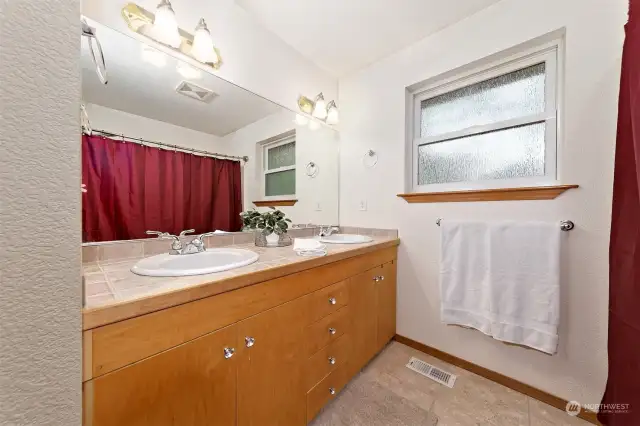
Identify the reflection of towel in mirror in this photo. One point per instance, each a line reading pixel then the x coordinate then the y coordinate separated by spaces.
pixel 503 279
pixel 309 247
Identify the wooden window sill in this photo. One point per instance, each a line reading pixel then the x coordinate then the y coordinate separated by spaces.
pixel 501 194
pixel 275 203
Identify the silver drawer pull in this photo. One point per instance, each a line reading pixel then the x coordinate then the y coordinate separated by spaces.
pixel 228 352
pixel 332 360
pixel 332 300
pixel 332 330
pixel 249 341
pixel 332 391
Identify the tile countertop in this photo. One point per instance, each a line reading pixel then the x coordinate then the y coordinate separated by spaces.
pixel 113 292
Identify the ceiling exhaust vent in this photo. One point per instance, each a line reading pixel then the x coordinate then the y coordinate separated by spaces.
pixel 194 91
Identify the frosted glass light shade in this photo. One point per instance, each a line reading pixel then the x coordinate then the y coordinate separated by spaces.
pixel 332 114
pixel 202 48
pixel 165 26
pixel 320 108
pixel 301 120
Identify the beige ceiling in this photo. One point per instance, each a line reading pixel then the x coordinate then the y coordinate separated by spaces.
pixel 341 36
pixel 141 88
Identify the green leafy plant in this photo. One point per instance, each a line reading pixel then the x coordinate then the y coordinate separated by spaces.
pixel 272 221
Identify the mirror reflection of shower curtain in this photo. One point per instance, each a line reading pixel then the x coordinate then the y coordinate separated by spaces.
pixel 96 51
pixel 623 384
pixel 133 188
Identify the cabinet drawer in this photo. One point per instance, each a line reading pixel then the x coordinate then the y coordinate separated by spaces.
pixel 328 329
pixel 328 300
pixel 325 391
pixel 326 360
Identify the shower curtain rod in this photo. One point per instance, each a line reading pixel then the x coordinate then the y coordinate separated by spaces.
pixel 174 147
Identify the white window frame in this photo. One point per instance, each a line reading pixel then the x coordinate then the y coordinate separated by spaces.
pixel 265 163
pixel 550 54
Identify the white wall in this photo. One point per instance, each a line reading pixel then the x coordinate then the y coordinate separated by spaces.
pixel 136 126
pixel 40 286
pixel 320 146
pixel 373 116
pixel 254 58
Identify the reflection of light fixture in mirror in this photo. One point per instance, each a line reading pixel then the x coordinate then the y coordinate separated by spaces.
pixel 187 71
pixel 305 104
pixel 301 120
pixel 165 26
pixel 332 113
pixel 202 48
pixel 153 56
pixel 320 108
pixel 143 22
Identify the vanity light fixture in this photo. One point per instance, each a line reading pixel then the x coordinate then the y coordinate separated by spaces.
pixel 202 48
pixel 332 113
pixel 163 28
pixel 320 108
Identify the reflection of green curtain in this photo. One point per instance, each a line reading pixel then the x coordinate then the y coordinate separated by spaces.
pixel 280 183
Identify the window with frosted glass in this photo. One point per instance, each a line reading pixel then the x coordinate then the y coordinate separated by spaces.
pixel 492 129
pixel 280 172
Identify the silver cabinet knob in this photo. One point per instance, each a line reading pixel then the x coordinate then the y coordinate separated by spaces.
pixel 376 278
pixel 381 277
pixel 249 341
pixel 332 391
pixel 332 300
pixel 332 330
pixel 332 360
pixel 228 352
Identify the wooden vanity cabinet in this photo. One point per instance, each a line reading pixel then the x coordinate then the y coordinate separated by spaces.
pixel 192 384
pixel 275 353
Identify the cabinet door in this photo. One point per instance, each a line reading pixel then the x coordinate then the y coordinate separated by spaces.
pixel 362 304
pixel 191 385
pixel 270 377
pixel 386 290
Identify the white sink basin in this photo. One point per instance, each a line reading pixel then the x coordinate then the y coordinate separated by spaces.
pixel 346 239
pixel 207 262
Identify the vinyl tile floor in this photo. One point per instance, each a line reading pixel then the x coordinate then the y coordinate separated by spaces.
pixel 387 393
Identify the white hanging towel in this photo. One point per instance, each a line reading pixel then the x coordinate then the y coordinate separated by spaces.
pixel 503 279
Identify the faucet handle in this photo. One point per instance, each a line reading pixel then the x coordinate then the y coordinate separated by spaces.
pixel 158 233
pixel 187 231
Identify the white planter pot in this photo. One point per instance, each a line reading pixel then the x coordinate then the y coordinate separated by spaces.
pixel 273 238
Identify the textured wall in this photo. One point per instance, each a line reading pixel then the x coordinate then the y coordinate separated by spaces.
pixel 40 294
pixel 372 108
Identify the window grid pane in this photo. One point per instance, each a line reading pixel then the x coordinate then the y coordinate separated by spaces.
pixel 280 183
pixel 281 156
pixel 513 95
pixel 504 154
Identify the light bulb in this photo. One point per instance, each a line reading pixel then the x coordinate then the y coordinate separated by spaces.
pixel 188 72
pixel 314 125
pixel 301 120
pixel 153 56
pixel 165 26
pixel 332 113
pixel 202 48
pixel 320 108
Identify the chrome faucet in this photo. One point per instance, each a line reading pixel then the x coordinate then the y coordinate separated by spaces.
pixel 177 248
pixel 325 232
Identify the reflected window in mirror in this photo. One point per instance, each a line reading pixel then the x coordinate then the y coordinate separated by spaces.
pixel 280 167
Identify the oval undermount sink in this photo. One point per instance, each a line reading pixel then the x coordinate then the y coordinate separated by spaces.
pixel 346 239
pixel 207 262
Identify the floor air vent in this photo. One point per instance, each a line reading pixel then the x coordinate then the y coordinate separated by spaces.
pixel 434 373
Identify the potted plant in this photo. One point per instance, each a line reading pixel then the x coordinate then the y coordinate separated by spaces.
pixel 272 223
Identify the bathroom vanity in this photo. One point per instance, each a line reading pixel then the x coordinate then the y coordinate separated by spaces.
pixel 261 347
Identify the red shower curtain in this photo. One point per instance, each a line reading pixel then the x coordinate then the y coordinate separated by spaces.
pixel 623 384
pixel 133 188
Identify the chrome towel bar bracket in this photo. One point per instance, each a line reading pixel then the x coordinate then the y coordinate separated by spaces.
pixel 565 225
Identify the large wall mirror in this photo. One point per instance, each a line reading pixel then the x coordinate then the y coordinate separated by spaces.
pixel 168 146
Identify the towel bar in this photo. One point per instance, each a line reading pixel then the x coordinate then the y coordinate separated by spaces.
pixel 565 225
